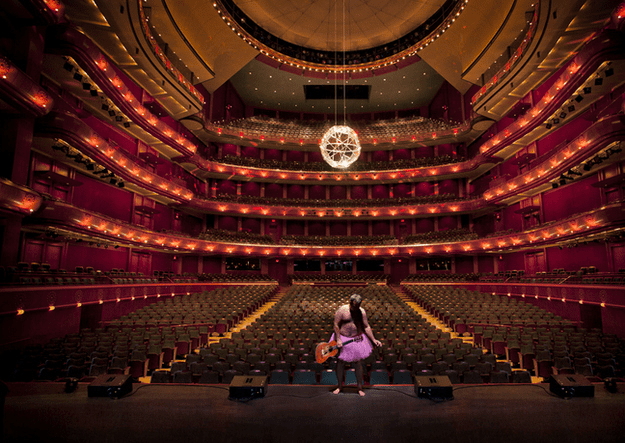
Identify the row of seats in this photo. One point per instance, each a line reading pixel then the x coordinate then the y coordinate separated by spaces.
pixel 339 203
pixel 337 278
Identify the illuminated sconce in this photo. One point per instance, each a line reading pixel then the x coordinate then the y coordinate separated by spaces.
pixel 222 208
pixel 393 212
pixel 485 245
pixel 374 252
pixel 356 213
pixel 454 208
pixel 466 247
pixel 447 248
pixel 432 210
pixel 455 168
pixel 304 251
pixel 20 312
pixel 286 251
pixel 283 175
pixel 374 213
pixel 117 82
pixel 265 211
pixel 245 210
pixel 429 250
pixel 51 308
pixel 412 211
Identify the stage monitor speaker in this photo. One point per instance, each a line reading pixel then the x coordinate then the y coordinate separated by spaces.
pixel 433 387
pixel 110 385
pixel 247 387
pixel 571 385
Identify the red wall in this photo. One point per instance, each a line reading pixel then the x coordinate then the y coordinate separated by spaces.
pixel 97 258
pixel 579 196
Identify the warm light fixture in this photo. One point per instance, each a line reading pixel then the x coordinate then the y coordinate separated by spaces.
pixel 340 146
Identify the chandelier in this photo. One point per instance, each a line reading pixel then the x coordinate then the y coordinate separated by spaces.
pixel 340 146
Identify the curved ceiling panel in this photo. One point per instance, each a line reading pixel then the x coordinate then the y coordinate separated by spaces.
pixel 319 24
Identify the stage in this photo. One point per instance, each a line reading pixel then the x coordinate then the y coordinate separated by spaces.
pixel 43 412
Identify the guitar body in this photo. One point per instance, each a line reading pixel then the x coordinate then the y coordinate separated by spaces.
pixel 326 350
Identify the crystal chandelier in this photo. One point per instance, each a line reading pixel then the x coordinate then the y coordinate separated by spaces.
pixel 340 146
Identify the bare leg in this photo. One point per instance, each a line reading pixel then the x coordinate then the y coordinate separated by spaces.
pixel 359 374
pixel 340 373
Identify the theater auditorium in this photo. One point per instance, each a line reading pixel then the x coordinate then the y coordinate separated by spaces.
pixel 191 189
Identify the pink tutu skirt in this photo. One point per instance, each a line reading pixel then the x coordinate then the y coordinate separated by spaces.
pixel 356 350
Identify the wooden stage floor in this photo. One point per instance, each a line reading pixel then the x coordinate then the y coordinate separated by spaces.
pixel 43 412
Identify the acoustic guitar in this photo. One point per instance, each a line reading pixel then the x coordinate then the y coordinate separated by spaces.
pixel 326 350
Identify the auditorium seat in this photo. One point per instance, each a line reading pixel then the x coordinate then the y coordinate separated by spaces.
pixel 209 377
pixel 521 376
pixel 160 377
pixel 304 377
pixel 279 376
pixel 185 377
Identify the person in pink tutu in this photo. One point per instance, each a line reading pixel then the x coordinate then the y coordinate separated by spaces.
pixel 350 323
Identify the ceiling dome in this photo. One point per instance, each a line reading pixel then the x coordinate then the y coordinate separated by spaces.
pixel 318 24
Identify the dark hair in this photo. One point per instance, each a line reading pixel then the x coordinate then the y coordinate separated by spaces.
pixel 357 319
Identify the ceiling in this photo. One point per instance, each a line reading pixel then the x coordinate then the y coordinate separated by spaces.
pixel 261 85
pixel 339 25
pixel 196 33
